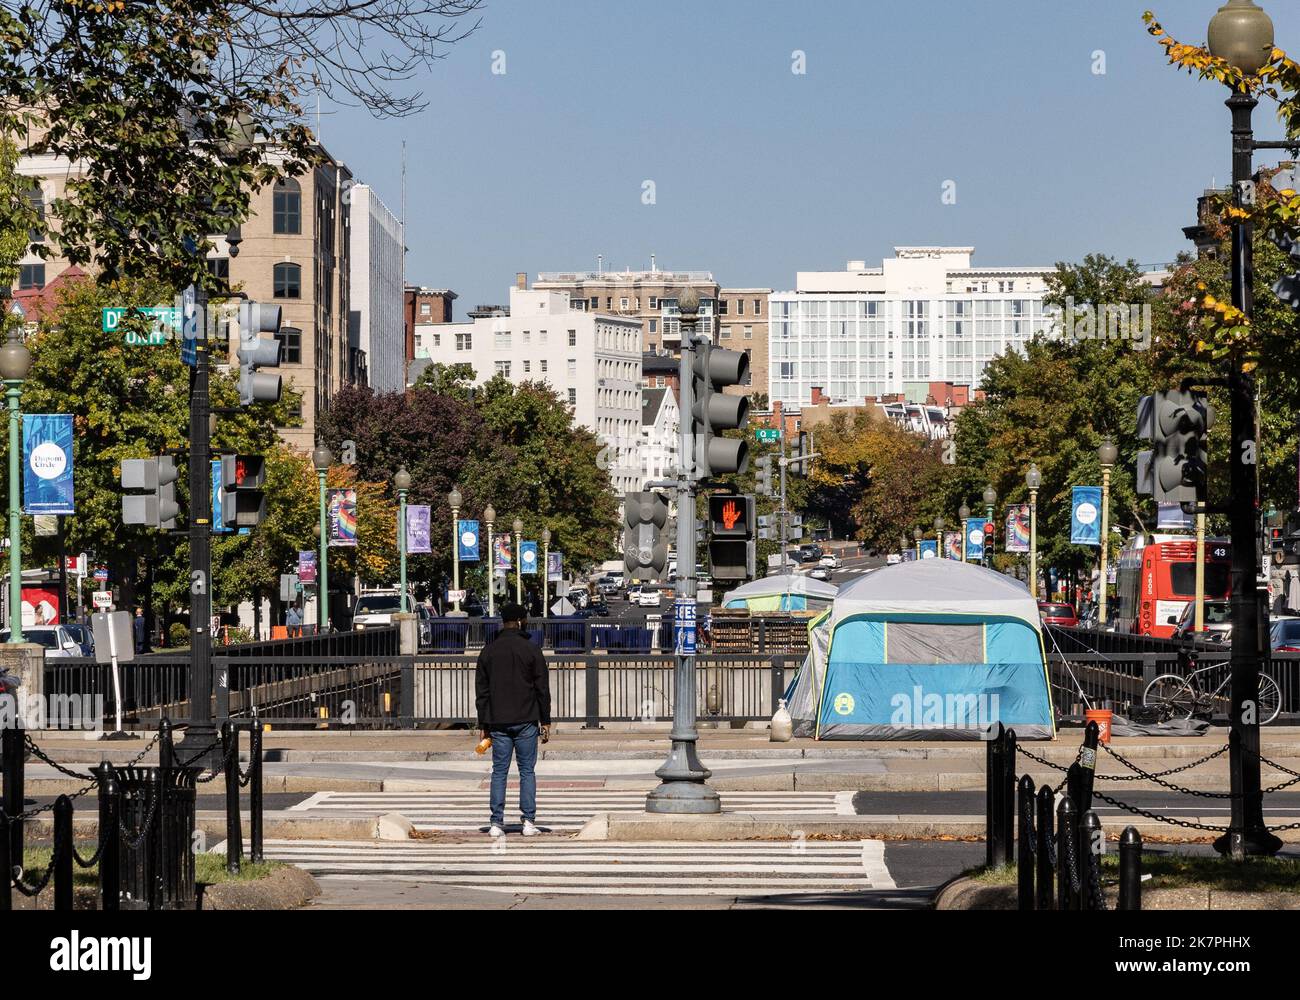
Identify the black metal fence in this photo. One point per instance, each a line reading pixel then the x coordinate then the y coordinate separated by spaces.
pixel 145 840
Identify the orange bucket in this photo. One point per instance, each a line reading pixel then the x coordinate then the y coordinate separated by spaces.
pixel 1101 716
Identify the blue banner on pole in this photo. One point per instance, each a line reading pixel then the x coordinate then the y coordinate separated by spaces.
pixel 929 548
pixel 1085 516
pixel 467 541
pixel 528 557
pixel 974 539
pixel 47 458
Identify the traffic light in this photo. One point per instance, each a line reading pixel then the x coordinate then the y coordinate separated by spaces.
pixel 256 351
pixel 243 501
pixel 714 412
pixel 731 537
pixel 156 508
pixel 800 464
pixel 1178 424
pixel 645 545
pixel 763 475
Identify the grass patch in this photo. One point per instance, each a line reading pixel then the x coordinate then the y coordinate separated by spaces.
pixel 1178 871
pixel 209 869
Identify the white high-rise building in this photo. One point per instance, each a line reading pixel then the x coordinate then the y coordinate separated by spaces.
pixel 925 316
pixel 591 360
pixel 376 326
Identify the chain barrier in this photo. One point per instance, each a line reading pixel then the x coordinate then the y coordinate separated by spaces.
pixel 1098 898
pixel 31 892
pixel 1072 864
pixel 1146 813
pixel 132 841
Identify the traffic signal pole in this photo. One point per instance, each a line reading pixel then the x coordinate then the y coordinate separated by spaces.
pixel 201 731
pixel 785 513
pixel 684 779
pixel 1246 834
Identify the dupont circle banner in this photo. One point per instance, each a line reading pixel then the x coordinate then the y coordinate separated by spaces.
pixel 1018 528
pixel 1085 520
pixel 47 460
pixel 343 518
pixel 417 529
pixel 504 556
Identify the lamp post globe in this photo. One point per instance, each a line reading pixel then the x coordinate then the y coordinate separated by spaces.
pixel 939 523
pixel 15 358
pixel 454 498
pixel 688 301
pixel 518 526
pixel 322 458
pixel 990 496
pixel 1242 34
pixel 964 512
pixel 402 481
pixel 490 514
pixel 1033 478
pixel 546 536
pixel 917 534
pixel 1108 453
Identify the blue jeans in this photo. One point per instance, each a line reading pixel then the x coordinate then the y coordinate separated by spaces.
pixel 521 741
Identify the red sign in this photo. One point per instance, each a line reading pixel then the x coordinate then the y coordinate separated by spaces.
pixel 40 605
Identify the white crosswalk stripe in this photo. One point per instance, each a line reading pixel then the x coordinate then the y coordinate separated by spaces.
pixel 557 808
pixel 569 867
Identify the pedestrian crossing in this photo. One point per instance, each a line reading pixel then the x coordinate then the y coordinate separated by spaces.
pixel 558 809
pixel 570 867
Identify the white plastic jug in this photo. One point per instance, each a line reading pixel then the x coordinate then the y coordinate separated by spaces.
pixel 782 725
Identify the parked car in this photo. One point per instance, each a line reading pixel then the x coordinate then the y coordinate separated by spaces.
pixel 83 635
pixel 375 609
pixel 597 607
pixel 473 605
pixel 893 559
pixel 809 553
pixel 1058 614
pixel 56 639
pixel 831 561
pixel 425 618
pixel 579 597
pixel 821 572
pixel 1285 634
pixel 1218 623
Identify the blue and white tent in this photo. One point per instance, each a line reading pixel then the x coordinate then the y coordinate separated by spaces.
pixel 930 650
pixel 784 592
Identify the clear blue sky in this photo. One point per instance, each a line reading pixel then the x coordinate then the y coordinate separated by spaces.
pixel 760 172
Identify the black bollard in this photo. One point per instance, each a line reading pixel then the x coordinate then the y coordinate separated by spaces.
pixel 1092 843
pixel 992 796
pixel 110 836
pixel 234 834
pixel 255 791
pixel 1044 851
pixel 1130 869
pixel 1087 766
pixel 1025 835
pixel 165 862
pixel 63 853
pixel 6 866
pixel 14 752
pixel 1074 783
pixel 1009 797
pixel 1067 835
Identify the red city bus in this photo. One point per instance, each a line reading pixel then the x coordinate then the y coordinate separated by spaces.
pixel 1156 580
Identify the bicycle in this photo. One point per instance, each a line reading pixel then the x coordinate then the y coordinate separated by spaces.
pixel 1179 696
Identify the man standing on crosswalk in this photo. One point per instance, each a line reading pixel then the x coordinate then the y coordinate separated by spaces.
pixel 513 695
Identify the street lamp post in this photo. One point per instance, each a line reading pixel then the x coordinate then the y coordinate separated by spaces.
pixel 938 534
pixel 1108 454
pixel 519 565
pixel 990 501
pixel 1242 34
pixel 321 458
pixel 546 558
pixel 917 535
pixel 490 516
pixel 403 483
pixel 454 499
pixel 963 515
pixel 1034 480
pixel 15 362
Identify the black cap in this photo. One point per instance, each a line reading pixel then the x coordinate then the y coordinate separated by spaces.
pixel 513 613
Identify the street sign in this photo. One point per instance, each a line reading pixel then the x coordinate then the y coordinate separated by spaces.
pixel 562 608
pixel 101 574
pixel 166 321
pixel 455 595
pixel 768 434
pixel 103 599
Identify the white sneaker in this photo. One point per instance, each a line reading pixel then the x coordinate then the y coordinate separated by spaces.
pixel 529 829
pixel 496 831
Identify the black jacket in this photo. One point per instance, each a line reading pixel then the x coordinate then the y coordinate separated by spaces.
pixel 511 684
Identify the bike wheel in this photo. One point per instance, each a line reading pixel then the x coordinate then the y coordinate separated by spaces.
pixel 1270 699
pixel 1173 695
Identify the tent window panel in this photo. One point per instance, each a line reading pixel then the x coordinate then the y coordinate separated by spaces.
pixel 925 644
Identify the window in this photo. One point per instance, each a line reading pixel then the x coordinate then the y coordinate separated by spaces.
pixel 290 338
pixel 758 307
pixel 528 367
pixel 31 276
pixel 503 368
pixel 722 307
pixel 609 303
pixel 573 367
pixel 573 397
pixel 622 303
pixel 749 333
pixel 501 340
pixel 464 341
pixel 426 309
pixel 287 281
pixel 286 207
pixel 573 338
pixel 740 307
pixel 654 302
pixel 219 267
pixel 527 336
pixel 543 366
pixel 36 199
pixel 654 326
pixel 726 333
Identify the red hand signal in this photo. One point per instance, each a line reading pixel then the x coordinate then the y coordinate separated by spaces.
pixel 730 514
